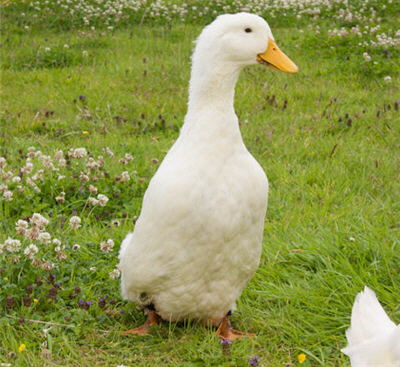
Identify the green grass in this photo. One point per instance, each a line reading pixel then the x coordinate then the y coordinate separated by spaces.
pixel 331 155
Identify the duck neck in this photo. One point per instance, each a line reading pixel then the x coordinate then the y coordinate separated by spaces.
pixel 212 89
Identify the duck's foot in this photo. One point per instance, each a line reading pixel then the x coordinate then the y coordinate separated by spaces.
pixel 152 319
pixel 225 331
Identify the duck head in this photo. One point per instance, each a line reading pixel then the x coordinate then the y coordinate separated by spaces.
pixel 239 40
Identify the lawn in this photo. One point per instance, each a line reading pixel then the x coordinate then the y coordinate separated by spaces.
pixel 93 94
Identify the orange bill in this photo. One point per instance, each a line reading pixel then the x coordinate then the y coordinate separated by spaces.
pixel 276 59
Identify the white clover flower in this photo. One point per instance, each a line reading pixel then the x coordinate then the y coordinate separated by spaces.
pixel 56 242
pixel 92 164
pixel 92 189
pixel 8 195
pixel 85 54
pixel 47 266
pixel 366 57
pixel 7 176
pixel 39 221
pixel 79 153
pixel 115 273
pixel 76 247
pixel 93 201
pixel 33 234
pixel 31 152
pixel 47 162
pixel 108 151
pixel 3 163
pixel 12 245
pixel 31 251
pixel 61 255
pixel 58 155
pixel 44 237
pixel 75 222
pixel 387 79
pixel 102 199
pixel 84 177
pixel 107 246
pixel 30 182
pixel 61 198
pixel 38 154
pixel 47 49
pixel 66 46
pixel 16 179
pixel 125 176
pixel 27 168
pixel 21 226
pixel 127 158
pixel 100 160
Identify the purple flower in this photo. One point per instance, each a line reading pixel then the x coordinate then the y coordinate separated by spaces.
pixel 53 293
pixel 102 301
pixel 10 302
pixel 84 305
pixel 225 341
pixel 254 361
pixel 27 301
pixel 81 97
pixel 50 278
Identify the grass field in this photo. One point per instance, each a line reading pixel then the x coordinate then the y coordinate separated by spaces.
pixel 116 84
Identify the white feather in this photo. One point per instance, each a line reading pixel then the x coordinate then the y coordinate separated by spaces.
pixel 373 339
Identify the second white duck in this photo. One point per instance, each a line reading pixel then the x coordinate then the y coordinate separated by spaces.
pixel 374 340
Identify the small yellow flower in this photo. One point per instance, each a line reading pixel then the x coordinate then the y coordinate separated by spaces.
pixel 35 300
pixel 21 348
pixel 302 357
pixel 85 132
pixel 5 279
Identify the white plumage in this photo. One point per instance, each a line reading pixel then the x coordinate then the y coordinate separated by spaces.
pixel 197 241
pixel 373 339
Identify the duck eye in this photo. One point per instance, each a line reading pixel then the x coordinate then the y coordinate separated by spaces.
pixel 247 30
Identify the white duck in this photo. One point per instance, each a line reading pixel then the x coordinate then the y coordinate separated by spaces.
pixel 374 340
pixel 197 242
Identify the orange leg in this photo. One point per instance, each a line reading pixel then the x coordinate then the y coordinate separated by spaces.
pixel 225 331
pixel 152 319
